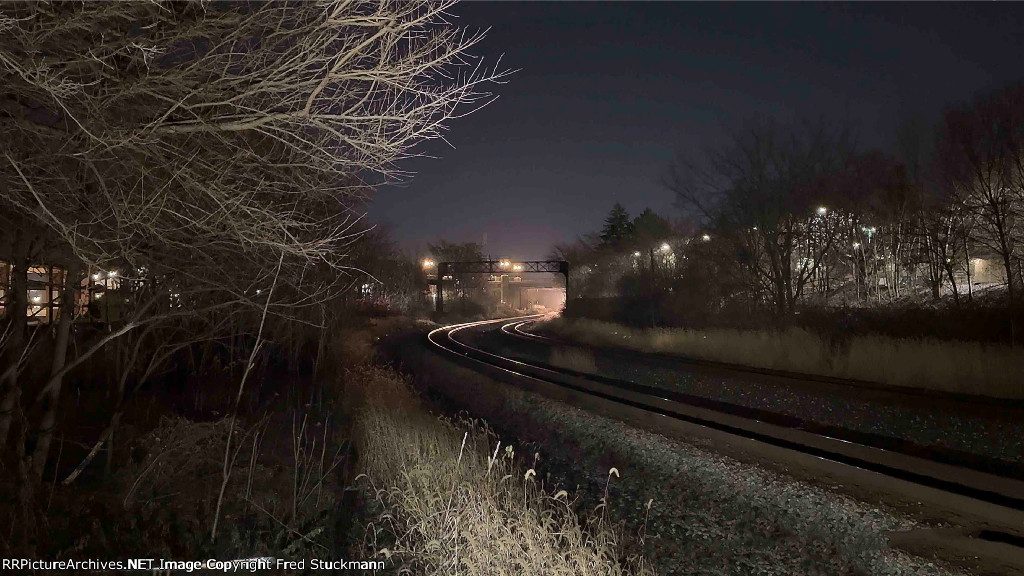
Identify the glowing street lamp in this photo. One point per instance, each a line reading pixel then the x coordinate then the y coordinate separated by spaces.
pixel 517 267
pixel 428 263
pixel 665 247
pixel 706 237
pixel 822 210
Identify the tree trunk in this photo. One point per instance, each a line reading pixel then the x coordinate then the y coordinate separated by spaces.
pixel 115 421
pixel 1005 248
pixel 970 281
pixel 1008 266
pixel 17 318
pixel 60 350
pixel 1020 271
pixel 120 398
pixel 25 516
pixel 952 283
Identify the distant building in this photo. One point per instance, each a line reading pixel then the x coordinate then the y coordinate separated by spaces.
pixel 46 287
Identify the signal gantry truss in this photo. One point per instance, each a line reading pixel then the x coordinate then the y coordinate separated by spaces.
pixel 502 266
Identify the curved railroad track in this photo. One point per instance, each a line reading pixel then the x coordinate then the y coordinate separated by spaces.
pixel 991 503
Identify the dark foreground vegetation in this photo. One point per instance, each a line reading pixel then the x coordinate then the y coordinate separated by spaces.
pixel 189 466
pixel 190 299
pixel 181 251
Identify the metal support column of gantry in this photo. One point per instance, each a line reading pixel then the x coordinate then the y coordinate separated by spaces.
pixel 442 269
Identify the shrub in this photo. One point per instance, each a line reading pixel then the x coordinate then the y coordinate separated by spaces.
pixel 450 504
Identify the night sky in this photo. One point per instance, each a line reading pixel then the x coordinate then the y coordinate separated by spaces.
pixel 607 93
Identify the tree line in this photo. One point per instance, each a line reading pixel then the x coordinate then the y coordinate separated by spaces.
pixel 784 214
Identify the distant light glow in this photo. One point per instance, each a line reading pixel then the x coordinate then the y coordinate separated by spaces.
pixel 636 254
pixel 428 263
pixel 112 273
pixel 95 276
pixel 706 237
pixel 665 247
pixel 822 210
pixel 856 244
pixel 37 299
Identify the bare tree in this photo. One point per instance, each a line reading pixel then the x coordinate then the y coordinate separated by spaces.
pixel 761 193
pixel 194 146
pixel 980 151
pixel 462 285
pixel 177 134
pixel 580 254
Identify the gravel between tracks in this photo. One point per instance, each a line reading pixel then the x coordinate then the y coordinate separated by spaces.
pixel 920 423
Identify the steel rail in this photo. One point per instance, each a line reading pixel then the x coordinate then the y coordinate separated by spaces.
pixel 959 458
pixel 983 494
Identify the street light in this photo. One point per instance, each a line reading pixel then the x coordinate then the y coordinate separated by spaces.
pixel 706 237
pixel 517 267
pixel 822 210
pixel 428 263
pixel 665 247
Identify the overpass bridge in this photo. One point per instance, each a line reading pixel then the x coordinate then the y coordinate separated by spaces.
pixel 505 272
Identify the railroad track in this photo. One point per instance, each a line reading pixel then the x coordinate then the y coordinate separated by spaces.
pixel 991 505
pixel 963 404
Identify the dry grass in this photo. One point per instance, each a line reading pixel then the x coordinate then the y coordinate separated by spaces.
pixel 963 367
pixel 453 500
pixel 573 359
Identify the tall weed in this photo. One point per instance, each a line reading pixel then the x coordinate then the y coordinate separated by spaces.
pixel 453 500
